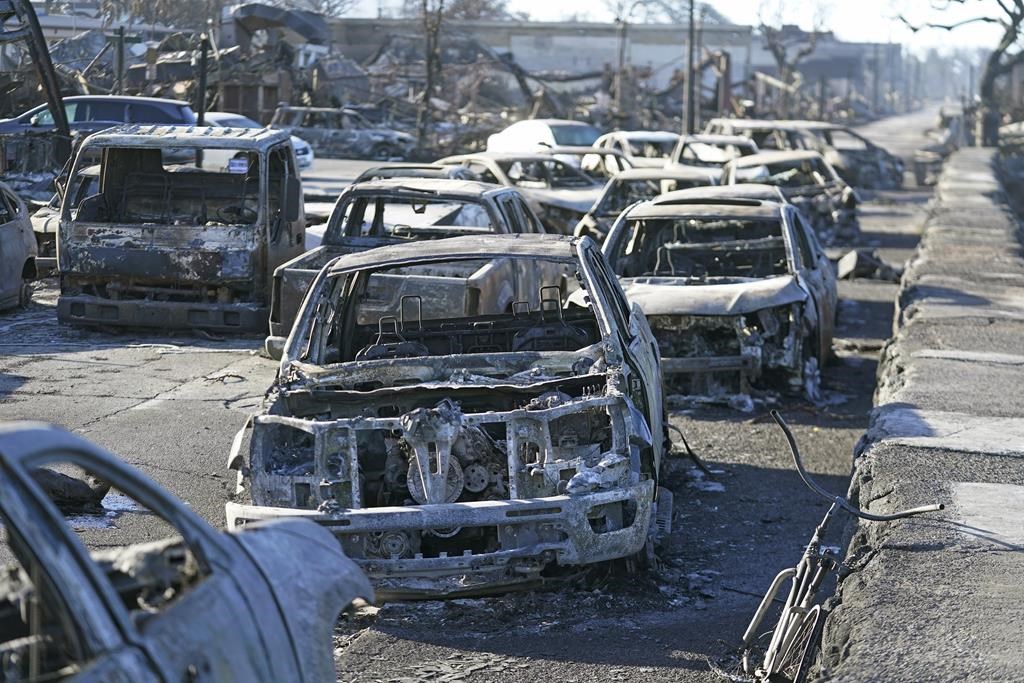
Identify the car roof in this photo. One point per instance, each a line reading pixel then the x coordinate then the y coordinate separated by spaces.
pixel 160 135
pixel 773 124
pixel 558 122
pixel 124 98
pixel 560 247
pixel 580 149
pixel 501 156
pixel 676 172
pixel 668 207
pixel 775 156
pixel 718 139
pixel 665 135
pixel 447 186
pixel 713 193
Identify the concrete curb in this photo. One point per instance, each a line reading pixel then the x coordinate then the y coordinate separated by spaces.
pixel 941 597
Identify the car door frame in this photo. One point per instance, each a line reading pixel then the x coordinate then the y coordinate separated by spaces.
pixel 814 277
pixel 639 347
pixel 28 449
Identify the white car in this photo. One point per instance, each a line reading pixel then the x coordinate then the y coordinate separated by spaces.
pixel 303 152
pixel 532 135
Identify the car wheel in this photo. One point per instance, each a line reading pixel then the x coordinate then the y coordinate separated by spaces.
pixel 25 294
pixel 381 152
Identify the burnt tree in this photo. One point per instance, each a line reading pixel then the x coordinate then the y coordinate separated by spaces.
pixel 1000 62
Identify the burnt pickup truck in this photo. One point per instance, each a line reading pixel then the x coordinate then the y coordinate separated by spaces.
pixel 170 240
pixel 380 212
pixel 453 451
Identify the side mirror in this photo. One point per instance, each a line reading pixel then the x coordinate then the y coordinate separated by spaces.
pixel 274 346
pixel 292 198
pixel 34 121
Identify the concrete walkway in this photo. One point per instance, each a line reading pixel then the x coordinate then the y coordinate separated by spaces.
pixel 941 597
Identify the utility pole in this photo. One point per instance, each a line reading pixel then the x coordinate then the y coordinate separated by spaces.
pixel 620 74
pixel 876 73
pixel 119 37
pixel 204 57
pixel 691 76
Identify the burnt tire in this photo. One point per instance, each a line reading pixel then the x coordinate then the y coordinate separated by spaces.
pixel 381 152
pixel 25 294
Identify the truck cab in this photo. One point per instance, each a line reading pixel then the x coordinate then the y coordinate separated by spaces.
pixel 174 237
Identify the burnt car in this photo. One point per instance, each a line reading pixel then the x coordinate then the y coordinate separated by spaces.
pixel 187 602
pixel 810 183
pixel 456 442
pixel 768 134
pixel 739 292
pixel 408 170
pixel 559 193
pixel 179 244
pixel 46 219
pixel 642 148
pixel 599 164
pixel 17 251
pixel 636 185
pixel 856 159
pixel 342 132
pixel 711 151
pixel 381 212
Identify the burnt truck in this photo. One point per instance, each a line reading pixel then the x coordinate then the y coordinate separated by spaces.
pixel 456 450
pixel 391 211
pixel 173 239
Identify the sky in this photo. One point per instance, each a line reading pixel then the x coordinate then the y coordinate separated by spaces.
pixel 853 20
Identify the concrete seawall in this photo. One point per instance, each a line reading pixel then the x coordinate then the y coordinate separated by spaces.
pixel 941 597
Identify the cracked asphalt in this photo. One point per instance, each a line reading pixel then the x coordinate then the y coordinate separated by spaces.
pixel 170 405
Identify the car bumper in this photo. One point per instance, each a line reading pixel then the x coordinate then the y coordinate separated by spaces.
pixel 532 534
pixel 92 310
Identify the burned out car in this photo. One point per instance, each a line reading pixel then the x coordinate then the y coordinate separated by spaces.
pixel 381 212
pixel 768 134
pixel 599 164
pixel 342 132
pixel 643 148
pixel 711 151
pixel 17 251
pixel 558 192
pixel 739 292
pixel 856 159
pixel 46 219
pixel 175 241
pixel 187 602
pixel 455 444
pixel 636 185
pixel 810 183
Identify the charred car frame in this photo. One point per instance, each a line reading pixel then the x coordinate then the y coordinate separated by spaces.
pixel 170 241
pixel 453 445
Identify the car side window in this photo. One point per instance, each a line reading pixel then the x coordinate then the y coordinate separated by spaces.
pixel 532 222
pixel 39 638
pixel 147 576
pixel 147 113
pixel 483 172
pixel 6 214
pixel 102 111
pixel 803 244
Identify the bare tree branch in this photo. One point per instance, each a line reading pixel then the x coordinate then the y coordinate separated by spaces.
pixel 946 27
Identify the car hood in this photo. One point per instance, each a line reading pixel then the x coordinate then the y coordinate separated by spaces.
pixel 581 200
pixel 673 296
